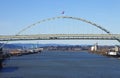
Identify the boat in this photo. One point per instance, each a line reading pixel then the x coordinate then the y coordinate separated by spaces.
pixel 112 53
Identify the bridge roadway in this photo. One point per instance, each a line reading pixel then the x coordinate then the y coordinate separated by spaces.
pixel 60 37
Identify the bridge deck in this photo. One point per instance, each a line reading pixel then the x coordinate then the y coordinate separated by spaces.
pixel 59 37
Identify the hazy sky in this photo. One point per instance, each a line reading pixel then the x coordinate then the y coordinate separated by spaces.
pixel 17 14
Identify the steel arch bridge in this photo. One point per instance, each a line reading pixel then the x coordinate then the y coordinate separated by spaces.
pixel 65 17
pixel 18 36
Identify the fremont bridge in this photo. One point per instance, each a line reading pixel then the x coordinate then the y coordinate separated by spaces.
pixel 18 36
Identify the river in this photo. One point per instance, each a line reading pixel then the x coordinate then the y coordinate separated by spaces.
pixel 61 65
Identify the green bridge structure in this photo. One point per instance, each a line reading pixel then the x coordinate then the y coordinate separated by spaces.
pixel 18 36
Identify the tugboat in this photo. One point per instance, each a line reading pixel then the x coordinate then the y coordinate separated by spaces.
pixel 114 52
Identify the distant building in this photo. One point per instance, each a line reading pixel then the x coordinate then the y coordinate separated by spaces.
pixel 77 49
pixel 116 48
pixel 94 47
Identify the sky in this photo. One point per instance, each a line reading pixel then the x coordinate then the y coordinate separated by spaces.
pixel 15 15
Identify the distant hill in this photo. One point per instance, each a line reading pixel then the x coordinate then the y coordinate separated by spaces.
pixel 28 45
pixel 31 45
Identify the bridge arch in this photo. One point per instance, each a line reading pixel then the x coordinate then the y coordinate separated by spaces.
pixel 69 17
pixel 65 17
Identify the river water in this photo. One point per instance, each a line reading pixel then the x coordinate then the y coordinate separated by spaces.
pixel 61 65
